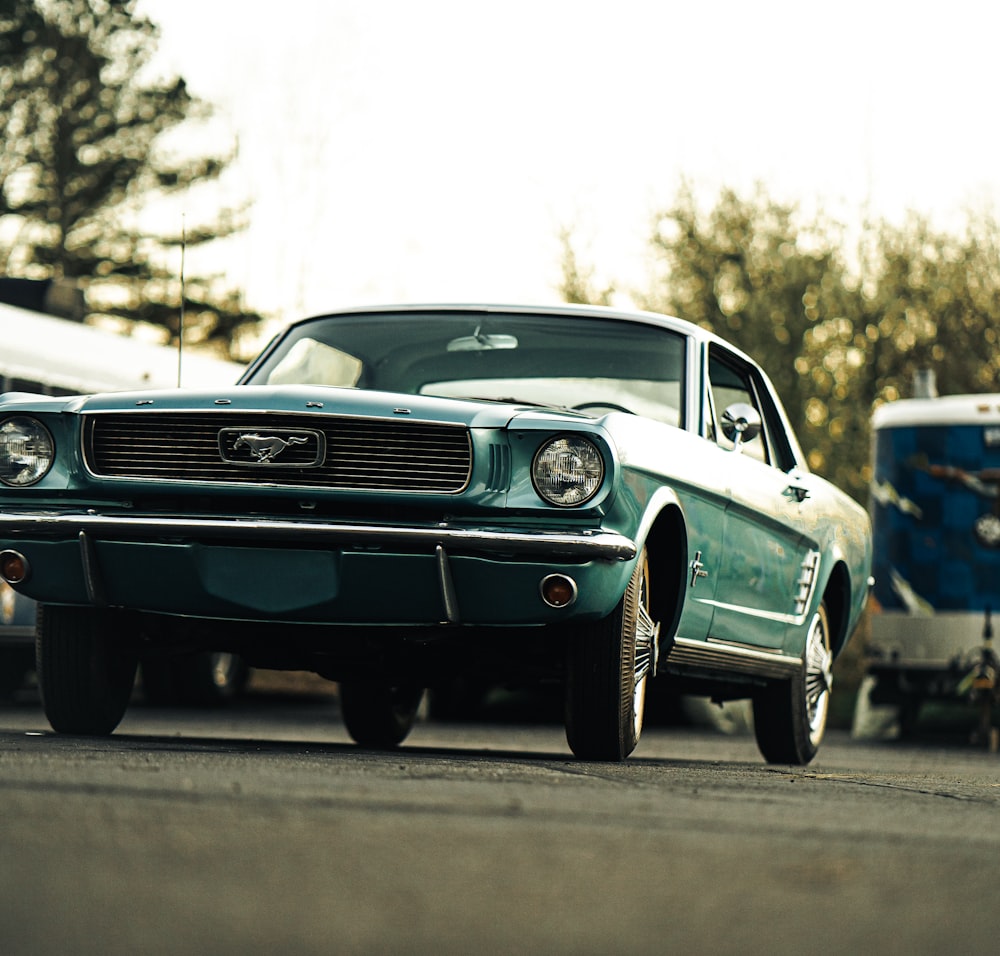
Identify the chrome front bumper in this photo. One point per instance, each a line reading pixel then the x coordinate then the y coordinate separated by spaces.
pixel 584 545
pixel 311 571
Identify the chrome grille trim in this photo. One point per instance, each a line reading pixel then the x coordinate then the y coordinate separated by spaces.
pixel 361 453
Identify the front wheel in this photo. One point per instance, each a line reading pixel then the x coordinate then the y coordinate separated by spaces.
pixel 609 664
pixel 378 714
pixel 790 716
pixel 86 668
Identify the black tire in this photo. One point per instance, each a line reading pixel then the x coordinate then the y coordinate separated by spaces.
pixel 609 664
pixel 790 716
pixel 86 668
pixel 377 714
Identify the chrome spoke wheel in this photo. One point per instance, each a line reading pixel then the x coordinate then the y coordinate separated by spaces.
pixel 818 678
pixel 609 664
pixel 790 715
pixel 646 636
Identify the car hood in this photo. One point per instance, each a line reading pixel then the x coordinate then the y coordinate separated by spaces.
pixel 319 399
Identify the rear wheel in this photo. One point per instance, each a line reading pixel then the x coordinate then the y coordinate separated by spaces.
pixel 609 664
pixel 377 714
pixel 86 668
pixel 790 716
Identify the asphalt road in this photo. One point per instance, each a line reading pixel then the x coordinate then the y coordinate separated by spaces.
pixel 261 829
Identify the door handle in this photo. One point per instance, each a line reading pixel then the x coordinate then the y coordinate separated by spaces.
pixel 798 492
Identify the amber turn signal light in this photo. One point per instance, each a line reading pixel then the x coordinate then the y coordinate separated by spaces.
pixel 14 567
pixel 558 590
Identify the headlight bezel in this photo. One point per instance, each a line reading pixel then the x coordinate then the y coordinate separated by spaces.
pixel 579 485
pixel 41 447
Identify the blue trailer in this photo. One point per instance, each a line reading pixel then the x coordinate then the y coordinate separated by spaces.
pixel 936 524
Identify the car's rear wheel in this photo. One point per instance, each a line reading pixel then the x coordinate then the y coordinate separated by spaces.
pixel 378 714
pixel 86 668
pixel 790 715
pixel 609 663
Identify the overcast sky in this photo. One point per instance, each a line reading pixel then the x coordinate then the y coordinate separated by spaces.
pixel 432 151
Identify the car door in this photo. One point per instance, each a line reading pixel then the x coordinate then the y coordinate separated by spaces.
pixel 767 561
pixel 704 500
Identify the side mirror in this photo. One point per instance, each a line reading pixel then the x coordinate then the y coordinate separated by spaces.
pixel 741 423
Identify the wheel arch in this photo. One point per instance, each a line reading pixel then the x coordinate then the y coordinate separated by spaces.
pixel 837 598
pixel 666 552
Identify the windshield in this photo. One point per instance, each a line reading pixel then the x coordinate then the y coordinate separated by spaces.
pixel 591 364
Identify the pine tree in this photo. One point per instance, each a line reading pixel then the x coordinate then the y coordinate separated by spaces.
pixel 86 158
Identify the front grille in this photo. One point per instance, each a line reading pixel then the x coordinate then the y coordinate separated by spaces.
pixel 306 451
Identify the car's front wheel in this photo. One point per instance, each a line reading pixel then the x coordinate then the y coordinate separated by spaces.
pixel 790 716
pixel 609 663
pixel 378 714
pixel 86 668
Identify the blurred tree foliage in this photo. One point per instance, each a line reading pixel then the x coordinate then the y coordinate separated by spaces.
pixel 86 157
pixel 577 283
pixel 839 325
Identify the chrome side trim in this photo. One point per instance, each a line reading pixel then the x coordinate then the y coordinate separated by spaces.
pixel 775 616
pixel 805 587
pixel 723 659
pixel 584 545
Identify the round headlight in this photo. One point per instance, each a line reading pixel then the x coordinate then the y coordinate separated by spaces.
pixel 568 470
pixel 26 451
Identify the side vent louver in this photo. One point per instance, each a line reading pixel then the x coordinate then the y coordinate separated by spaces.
pixel 499 475
pixel 806 582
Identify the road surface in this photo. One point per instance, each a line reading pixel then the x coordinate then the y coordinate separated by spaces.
pixel 262 829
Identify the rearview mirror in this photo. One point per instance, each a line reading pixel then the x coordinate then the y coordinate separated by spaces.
pixel 481 341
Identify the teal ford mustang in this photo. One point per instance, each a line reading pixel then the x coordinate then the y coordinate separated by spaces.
pixel 398 497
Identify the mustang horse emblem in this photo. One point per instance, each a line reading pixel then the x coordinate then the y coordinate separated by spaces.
pixel 265 448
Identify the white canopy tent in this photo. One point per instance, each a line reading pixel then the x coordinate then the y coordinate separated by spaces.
pixel 60 355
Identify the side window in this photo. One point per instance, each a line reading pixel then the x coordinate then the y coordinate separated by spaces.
pixel 730 382
pixel 731 379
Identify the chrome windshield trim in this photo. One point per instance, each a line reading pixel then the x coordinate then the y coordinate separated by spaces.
pixel 582 545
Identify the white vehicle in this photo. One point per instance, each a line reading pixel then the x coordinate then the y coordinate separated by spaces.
pixel 46 355
pixel 51 356
pixel 936 527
